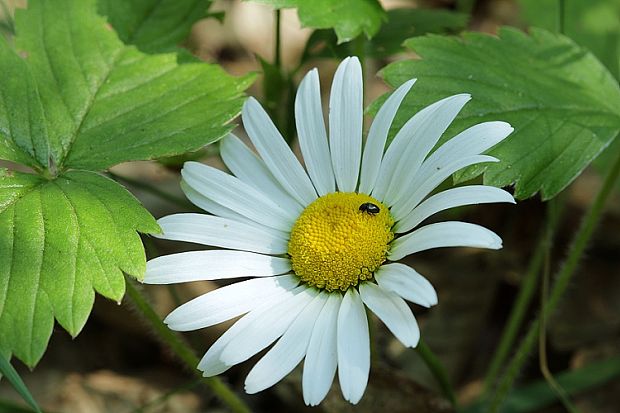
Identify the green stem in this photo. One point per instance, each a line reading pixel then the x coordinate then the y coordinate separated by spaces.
pixel 359 49
pixel 277 58
pixel 183 352
pixel 522 303
pixel 438 370
pixel 542 340
pixel 178 201
pixel 561 12
pixel 581 239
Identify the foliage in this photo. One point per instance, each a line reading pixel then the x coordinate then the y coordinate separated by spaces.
pixel 349 18
pixel 67 110
pixel 563 104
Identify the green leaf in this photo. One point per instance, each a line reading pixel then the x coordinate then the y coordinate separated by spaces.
pixel 563 104
pixel 348 18
pixel 594 24
pixel 74 99
pixel 154 25
pixel 62 240
pixel 402 24
pixel 7 370
pixel 105 102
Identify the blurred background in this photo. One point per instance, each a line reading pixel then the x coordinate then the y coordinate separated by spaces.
pixel 117 365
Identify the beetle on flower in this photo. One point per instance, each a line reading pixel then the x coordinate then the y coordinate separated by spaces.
pixel 322 243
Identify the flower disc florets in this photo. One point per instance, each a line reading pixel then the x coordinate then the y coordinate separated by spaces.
pixel 340 239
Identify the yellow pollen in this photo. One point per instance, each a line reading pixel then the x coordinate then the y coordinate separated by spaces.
pixel 334 244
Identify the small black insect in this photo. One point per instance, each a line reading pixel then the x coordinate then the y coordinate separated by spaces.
pixel 370 208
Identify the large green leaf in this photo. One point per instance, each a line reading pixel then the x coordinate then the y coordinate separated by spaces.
pixel 74 99
pixel 562 102
pixel 105 102
pixel 348 18
pixel 154 25
pixel 60 241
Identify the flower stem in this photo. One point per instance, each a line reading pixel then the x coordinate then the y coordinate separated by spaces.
pixel 277 49
pixel 522 302
pixel 183 352
pixel 437 369
pixel 581 239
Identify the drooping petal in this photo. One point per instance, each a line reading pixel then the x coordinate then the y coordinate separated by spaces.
pixel 429 177
pixel 211 363
pixel 393 311
pixel 288 351
pixel 444 234
pixel 377 136
pixel 312 134
pixel 268 328
pixel 403 280
pixel 321 356
pixel 276 153
pixel 252 170
pixel 346 113
pixel 451 198
pixel 353 347
pixel 223 232
pixel 212 265
pixel 228 302
pixel 236 195
pixel 412 144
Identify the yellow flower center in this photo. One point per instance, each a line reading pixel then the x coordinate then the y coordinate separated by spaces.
pixel 340 239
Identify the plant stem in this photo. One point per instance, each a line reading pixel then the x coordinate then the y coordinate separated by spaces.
pixel 178 201
pixel 581 239
pixel 435 366
pixel 542 340
pixel 561 12
pixel 183 352
pixel 277 51
pixel 522 302
pixel 359 49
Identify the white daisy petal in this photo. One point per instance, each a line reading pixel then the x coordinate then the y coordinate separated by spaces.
pixel 288 351
pixel 412 144
pixel 210 206
pixel 236 195
pixel 212 265
pixel 404 281
pixel 267 328
pixel 451 198
pixel 377 136
pixel 444 234
pixel 211 363
pixel 276 153
pixel 321 356
pixel 252 170
pixel 223 232
pixel 345 123
pixel 312 134
pixel 227 302
pixel 353 347
pixel 429 177
pixel 472 141
pixel 393 311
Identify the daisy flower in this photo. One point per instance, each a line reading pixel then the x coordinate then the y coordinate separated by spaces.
pixel 320 244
